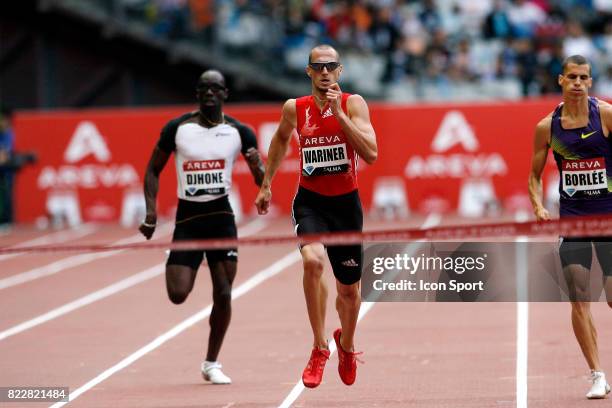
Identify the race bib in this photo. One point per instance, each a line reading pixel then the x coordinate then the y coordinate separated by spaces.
pixel 323 160
pixel 204 177
pixel 584 178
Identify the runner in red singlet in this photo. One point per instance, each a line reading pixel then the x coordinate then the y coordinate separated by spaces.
pixel 334 130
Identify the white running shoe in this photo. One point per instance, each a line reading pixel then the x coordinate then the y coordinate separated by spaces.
pixel 211 371
pixel 600 387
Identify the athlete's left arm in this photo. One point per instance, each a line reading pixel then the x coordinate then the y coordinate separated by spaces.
pixel 251 154
pixel 249 149
pixel 356 124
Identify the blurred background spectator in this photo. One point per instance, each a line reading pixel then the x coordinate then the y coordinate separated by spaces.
pixel 6 169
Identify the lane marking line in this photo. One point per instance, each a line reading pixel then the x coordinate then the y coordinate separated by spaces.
pixel 147 274
pixel 53 238
pixel 522 322
pixel 84 301
pixel 260 277
pixel 75 260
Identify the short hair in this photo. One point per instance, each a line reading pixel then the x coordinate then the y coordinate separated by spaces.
pixel 323 47
pixel 575 59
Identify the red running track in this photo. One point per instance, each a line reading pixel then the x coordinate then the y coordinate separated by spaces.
pixel 417 354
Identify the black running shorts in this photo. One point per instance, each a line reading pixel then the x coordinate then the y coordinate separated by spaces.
pixel 315 213
pixel 579 251
pixel 203 220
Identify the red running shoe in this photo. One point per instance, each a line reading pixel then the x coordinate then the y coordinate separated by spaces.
pixel 313 373
pixel 347 361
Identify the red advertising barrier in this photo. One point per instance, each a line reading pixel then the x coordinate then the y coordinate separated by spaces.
pixel 431 158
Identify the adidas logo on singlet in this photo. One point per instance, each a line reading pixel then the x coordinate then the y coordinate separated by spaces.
pixel 350 262
pixel 327 113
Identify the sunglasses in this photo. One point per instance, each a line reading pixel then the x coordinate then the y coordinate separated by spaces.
pixel 214 87
pixel 318 66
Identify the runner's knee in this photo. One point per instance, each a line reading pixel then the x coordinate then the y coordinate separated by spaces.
pixel 313 261
pixel 178 296
pixel 179 282
pixel 348 292
pixel 222 296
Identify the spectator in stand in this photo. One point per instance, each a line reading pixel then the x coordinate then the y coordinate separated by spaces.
pixel 385 37
pixel 430 16
pixel 525 17
pixel 527 62
pixel 552 69
pixel 497 24
pixel 7 172
pixel 340 25
pixel 604 85
pixel 578 43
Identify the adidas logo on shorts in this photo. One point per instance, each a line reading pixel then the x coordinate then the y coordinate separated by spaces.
pixel 350 262
pixel 232 253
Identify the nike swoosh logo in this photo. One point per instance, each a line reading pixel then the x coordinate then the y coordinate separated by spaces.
pixel 583 136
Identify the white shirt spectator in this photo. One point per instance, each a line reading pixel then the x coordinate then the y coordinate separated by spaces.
pixel 577 43
pixel 525 16
pixel 603 5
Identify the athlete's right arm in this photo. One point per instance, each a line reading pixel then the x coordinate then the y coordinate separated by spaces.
pixel 158 161
pixel 276 153
pixel 538 161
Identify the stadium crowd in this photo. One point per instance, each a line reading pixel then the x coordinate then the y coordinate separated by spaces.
pixel 437 41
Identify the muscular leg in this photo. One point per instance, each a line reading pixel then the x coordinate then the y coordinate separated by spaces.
pixel 348 303
pixel 222 274
pixel 179 282
pixel 315 291
pixel 586 334
pixel 582 320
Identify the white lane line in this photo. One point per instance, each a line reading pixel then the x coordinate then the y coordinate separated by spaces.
pixel 110 290
pixel 253 227
pixel 84 301
pixel 76 260
pixel 522 322
pixel 53 238
pixel 431 220
pixel 522 338
pixel 263 275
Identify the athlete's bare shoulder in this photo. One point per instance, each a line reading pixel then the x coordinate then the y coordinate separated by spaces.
pixel 356 98
pixel 290 111
pixel 602 104
pixel 289 105
pixel 545 123
pixel 605 108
